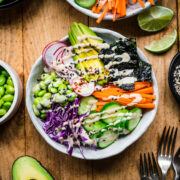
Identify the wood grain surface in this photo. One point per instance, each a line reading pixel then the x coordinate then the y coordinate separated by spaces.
pixel 24 31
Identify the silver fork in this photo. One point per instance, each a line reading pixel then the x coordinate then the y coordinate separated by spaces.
pixel 176 164
pixel 152 173
pixel 165 154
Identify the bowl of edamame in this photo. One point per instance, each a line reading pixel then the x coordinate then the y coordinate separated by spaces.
pixel 10 92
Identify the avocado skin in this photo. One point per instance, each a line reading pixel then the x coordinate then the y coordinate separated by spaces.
pixel 26 168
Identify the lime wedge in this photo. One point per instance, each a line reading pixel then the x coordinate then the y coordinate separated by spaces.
pixel 164 44
pixel 155 18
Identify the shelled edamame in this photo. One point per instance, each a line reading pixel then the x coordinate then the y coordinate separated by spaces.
pixel 51 89
pixel 6 91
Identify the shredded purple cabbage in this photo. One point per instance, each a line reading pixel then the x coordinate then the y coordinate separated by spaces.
pixel 63 125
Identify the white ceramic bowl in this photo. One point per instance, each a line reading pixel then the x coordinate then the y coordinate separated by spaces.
pixel 18 92
pixel 117 147
pixel 132 10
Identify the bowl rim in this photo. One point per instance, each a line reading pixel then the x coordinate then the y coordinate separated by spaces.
pixel 108 17
pixel 9 4
pixel 51 142
pixel 170 77
pixel 17 95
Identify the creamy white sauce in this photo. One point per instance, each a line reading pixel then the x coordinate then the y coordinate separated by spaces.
pixel 126 80
pixel 125 72
pixel 125 57
pixel 81 38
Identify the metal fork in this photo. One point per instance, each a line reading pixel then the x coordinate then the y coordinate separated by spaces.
pixel 152 173
pixel 176 165
pixel 165 154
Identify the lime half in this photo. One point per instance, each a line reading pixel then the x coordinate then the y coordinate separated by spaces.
pixel 164 44
pixel 155 18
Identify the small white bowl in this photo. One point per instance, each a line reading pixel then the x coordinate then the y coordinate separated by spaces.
pixel 132 10
pixel 17 95
pixel 118 146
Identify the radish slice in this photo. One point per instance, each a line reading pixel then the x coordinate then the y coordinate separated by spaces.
pixel 83 88
pixel 50 54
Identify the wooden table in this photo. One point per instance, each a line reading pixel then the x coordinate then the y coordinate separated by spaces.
pixel 23 34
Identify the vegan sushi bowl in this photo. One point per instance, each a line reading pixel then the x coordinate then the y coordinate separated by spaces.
pixel 92 94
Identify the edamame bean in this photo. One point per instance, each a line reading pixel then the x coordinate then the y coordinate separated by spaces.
pixel 5 73
pixel 53 75
pixel 52 89
pixel 59 98
pixel 43 116
pixel 35 109
pixel 42 93
pixel 7 105
pixel 2 112
pixel 8 97
pixel 37 102
pixel 46 102
pixel 10 89
pixel 10 82
pixel 43 111
pixel 1 102
pixel 42 85
pixel 47 95
pixel 2 80
pixel 62 88
pixel 36 89
pixel 48 80
pixel 2 90
pixel 57 83
pixel 71 95
pixel 44 76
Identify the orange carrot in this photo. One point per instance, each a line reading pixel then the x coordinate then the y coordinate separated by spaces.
pixel 148 105
pixel 152 2
pixel 102 15
pixel 141 3
pixel 148 90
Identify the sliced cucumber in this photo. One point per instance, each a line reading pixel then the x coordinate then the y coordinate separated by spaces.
pixel 96 126
pixel 85 104
pixel 108 107
pixel 106 138
pixel 85 3
pixel 132 123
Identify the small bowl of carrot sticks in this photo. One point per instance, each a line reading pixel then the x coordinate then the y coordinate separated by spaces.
pixel 111 9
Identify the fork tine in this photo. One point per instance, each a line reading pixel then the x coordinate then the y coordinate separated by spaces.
pixel 165 141
pixel 141 169
pixel 170 139
pixel 161 141
pixel 150 165
pixel 173 144
pixel 145 165
pixel 154 164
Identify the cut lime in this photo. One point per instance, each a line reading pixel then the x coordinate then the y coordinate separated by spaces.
pixel 164 44
pixel 155 18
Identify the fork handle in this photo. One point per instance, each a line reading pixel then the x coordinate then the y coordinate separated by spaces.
pixel 177 177
pixel 163 176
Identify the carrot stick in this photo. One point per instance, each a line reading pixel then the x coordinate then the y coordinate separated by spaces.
pixel 148 90
pixel 152 2
pixel 102 15
pixel 148 105
pixel 141 3
pixel 148 96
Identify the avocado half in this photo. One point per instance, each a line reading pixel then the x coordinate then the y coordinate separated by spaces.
pixel 28 168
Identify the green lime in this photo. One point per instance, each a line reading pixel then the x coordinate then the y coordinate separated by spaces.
pixel 155 18
pixel 164 44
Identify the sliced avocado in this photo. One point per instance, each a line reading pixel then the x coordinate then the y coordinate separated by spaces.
pixel 28 168
pixel 78 30
pixel 86 30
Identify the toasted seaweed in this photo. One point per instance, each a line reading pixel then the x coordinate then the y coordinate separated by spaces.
pixel 142 69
